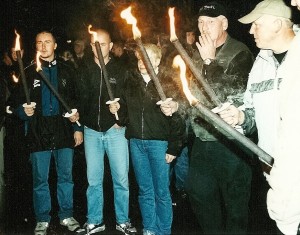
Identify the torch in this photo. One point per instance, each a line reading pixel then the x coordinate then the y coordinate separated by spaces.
pixel 126 14
pixel 173 38
pixel 103 67
pixel 216 121
pixel 70 112
pixel 22 73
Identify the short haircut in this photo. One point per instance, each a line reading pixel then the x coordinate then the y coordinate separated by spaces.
pixel 47 32
pixel 154 50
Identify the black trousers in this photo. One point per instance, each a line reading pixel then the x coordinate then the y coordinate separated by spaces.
pixel 219 186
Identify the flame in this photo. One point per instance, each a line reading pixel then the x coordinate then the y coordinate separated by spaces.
pixel 178 62
pixel 38 62
pixel 173 36
pixel 126 14
pixel 17 45
pixel 15 79
pixel 95 35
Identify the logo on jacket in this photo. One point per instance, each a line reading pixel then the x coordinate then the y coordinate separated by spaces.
pixel 36 83
pixel 64 82
pixel 113 80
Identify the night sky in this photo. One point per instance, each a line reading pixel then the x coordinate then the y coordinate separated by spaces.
pixel 69 19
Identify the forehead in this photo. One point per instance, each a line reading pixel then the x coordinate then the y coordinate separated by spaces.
pixel 206 18
pixel 102 37
pixel 44 37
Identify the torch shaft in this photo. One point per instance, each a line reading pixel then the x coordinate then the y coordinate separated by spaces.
pixel 150 69
pixel 23 78
pixel 226 129
pixel 210 92
pixel 105 74
pixel 58 96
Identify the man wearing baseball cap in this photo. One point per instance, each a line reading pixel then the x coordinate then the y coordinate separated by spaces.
pixel 273 87
pixel 219 179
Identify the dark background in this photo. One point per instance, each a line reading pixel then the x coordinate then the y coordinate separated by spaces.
pixel 69 19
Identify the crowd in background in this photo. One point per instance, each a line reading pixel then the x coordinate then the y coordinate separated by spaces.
pixel 174 152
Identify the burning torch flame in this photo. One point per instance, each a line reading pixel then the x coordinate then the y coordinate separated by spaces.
pixel 173 36
pixel 17 45
pixel 15 79
pixel 38 62
pixel 126 14
pixel 93 33
pixel 178 62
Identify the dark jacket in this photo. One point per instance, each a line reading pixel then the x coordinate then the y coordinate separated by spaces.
pixel 145 119
pixel 47 130
pixel 227 76
pixel 95 113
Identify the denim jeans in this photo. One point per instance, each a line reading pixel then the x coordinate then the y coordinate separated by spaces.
pixel 114 143
pixel 152 175
pixel 179 169
pixel 41 193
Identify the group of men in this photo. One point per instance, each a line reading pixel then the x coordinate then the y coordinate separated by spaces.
pixel 261 93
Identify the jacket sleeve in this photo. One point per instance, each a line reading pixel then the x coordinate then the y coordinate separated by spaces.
pixel 177 134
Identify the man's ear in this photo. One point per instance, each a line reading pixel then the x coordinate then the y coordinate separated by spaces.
pixel 111 45
pixel 278 25
pixel 225 23
pixel 55 46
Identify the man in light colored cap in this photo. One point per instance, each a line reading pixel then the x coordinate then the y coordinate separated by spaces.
pixel 269 105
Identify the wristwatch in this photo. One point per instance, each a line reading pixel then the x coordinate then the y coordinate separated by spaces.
pixel 207 61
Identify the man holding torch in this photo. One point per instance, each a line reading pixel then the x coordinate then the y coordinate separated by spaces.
pixel 104 134
pixel 271 107
pixel 219 178
pixel 51 135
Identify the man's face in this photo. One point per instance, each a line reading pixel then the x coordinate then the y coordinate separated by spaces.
pixel 14 54
pixel 190 37
pixel 117 50
pixel 46 44
pixel 105 44
pixel 79 47
pixel 264 31
pixel 296 3
pixel 212 26
pixel 153 59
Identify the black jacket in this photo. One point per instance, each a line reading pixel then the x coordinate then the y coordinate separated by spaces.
pixel 52 131
pixel 93 92
pixel 145 119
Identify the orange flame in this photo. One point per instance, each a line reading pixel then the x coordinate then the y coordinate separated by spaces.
pixel 17 45
pixel 95 35
pixel 38 62
pixel 173 36
pixel 126 14
pixel 15 79
pixel 178 62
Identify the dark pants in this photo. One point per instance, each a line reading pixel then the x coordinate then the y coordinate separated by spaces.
pixel 219 186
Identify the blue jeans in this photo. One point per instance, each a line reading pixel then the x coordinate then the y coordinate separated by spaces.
pixel 114 143
pixel 152 175
pixel 41 193
pixel 180 167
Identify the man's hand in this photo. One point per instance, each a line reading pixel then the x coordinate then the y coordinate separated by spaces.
pixel 74 118
pixel 206 47
pixel 114 107
pixel 233 116
pixel 169 107
pixel 169 158
pixel 78 137
pixel 29 110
